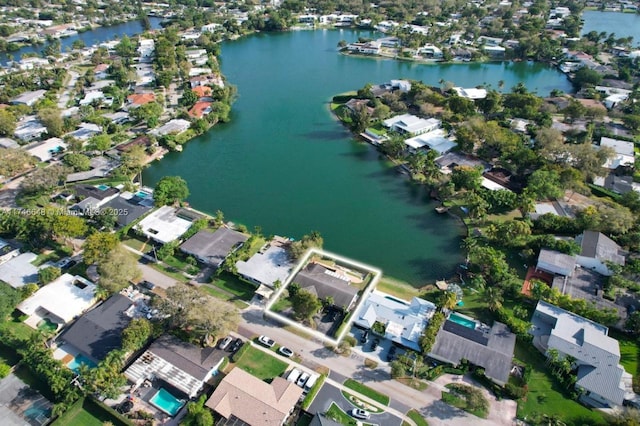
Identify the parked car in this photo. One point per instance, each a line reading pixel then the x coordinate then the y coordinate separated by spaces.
pixel 125 406
pixel 65 263
pixel 293 375
pixel 266 341
pixel 302 379
pixel 224 343
pixel 284 351
pixel 364 337
pixel 359 413
pixel 392 354
pixel 148 285
pixel 310 382
pixel 236 345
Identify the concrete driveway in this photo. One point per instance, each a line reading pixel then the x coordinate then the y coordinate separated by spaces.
pixel 330 393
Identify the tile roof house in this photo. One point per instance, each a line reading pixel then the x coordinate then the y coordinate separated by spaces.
pixel 246 398
pixel 556 263
pixel 202 91
pixel 488 347
pixel 138 99
pixel 99 331
pixel 404 321
pixel 324 283
pixel 182 365
pixel 213 248
pixel 200 109
pixel 596 250
pixel 597 356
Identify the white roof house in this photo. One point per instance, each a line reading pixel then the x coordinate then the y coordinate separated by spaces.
pixel 436 140
pixel 164 225
pixel 28 98
pixel 266 267
pixel 85 131
pixel 61 300
pixel 407 123
pixel 19 270
pixel 174 126
pixel 624 154
pixel 404 321
pixel 47 149
pixel 471 93
pixel 597 355
pixel 29 128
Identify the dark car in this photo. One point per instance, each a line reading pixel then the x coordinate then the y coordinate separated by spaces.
pixel 235 345
pixel 364 337
pixel 148 285
pixel 125 406
pixel 392 354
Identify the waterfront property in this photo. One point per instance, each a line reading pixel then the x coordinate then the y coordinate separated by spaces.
pixel 272 263
pixel 247 399
pixel 99 331
pixel 603 382
pixel 411 125
pixel 60 301
pixel 180 365
pixel 164 225
pixel 397 320
pixel 491 348
pixel 212 248
pixel 327 284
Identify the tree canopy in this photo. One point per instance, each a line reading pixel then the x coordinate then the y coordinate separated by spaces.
pixel 169 190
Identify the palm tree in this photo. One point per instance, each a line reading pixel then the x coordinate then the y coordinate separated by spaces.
pixel 448 300
pixel 494 298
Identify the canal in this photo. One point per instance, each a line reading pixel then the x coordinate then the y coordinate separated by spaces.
pixel 285 164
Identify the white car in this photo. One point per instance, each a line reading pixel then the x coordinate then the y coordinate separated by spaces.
pixel 266 341
pixel 302 379
pixel 359 413
pixel 284 351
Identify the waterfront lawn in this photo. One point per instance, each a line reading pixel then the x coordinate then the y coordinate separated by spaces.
pixel 397 288
pixel 417 418
pixel 546 396
pixel 260 364
pixel 367 391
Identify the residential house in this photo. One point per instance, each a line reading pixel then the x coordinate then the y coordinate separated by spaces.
pixel 200 109
pixel 100 194
pixel 100 71
pixel 429 51
pixel 210 28
pixel 85 131
pixel 202 91
pixel 96 96
pixel 164 225
pixel 45 151
pixel 175 126
pixel 366 48
pixel 207 80
pixel 195 71
pixel 143 141
pixel 18 270
pixel 212 248
pixel 118 117
pixel 29 128
pixel 596 250
pixel 491 348
pixel 128 207
pixel 436 140
pixel 601 379
pixel 411 125
pixel 146 48
pixel 29 98
pixel 270 264
pixel 471 93
pixel 247 399
pixel 624 153
pixel 181 365
pixel 99 331
pixel 403 322
pixel 556 263
pixel 139 99
pixel 326 283
pixel 60 301
pixel 8 143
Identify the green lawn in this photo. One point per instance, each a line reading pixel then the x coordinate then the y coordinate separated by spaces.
pixel 461 403
pixel 475 305
pixel 234 285
pixel 417 418
pixel 260 364
pixel 628 351
pixel 397 288
pixel 88 413
pixel 547 397
pixel 170 271
pixel 8 355
pixel 336 414
pixel 134 243
pixel 21 330
pixel 367 391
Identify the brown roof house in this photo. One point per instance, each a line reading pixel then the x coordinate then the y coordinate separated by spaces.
pixel 246 398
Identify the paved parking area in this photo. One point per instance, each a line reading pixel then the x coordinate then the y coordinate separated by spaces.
pixel 381 351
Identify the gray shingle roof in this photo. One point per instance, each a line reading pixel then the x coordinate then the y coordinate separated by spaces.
pixel 491 349
pixel 99 331
pixel 213 247
pixel 319 280
pixel 598 246
pixel 556 262
pixel 191 359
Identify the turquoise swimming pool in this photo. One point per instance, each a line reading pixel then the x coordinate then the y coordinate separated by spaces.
pixel 166 402
pixel 463 321
pixel 103 187
pixel 143 194
pixel 80 359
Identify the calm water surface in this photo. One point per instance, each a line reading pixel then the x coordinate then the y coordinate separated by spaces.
pixel 285 164
pixel 621 24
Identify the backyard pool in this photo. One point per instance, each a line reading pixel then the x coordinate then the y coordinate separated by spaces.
pixel 143 194
pixel 462 320
pixel 78 360
pixel 103 187
pixel 167 402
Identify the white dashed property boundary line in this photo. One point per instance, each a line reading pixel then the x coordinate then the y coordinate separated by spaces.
pixel 377 273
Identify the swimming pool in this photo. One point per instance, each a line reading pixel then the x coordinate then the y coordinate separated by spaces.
pixel 166 402
pixel 80 359
pixel 143 194
pixel 462 320
pixel 103 187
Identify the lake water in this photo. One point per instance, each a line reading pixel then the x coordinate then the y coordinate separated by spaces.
pixel 99 35
pixel 285 164
pixel 621 24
